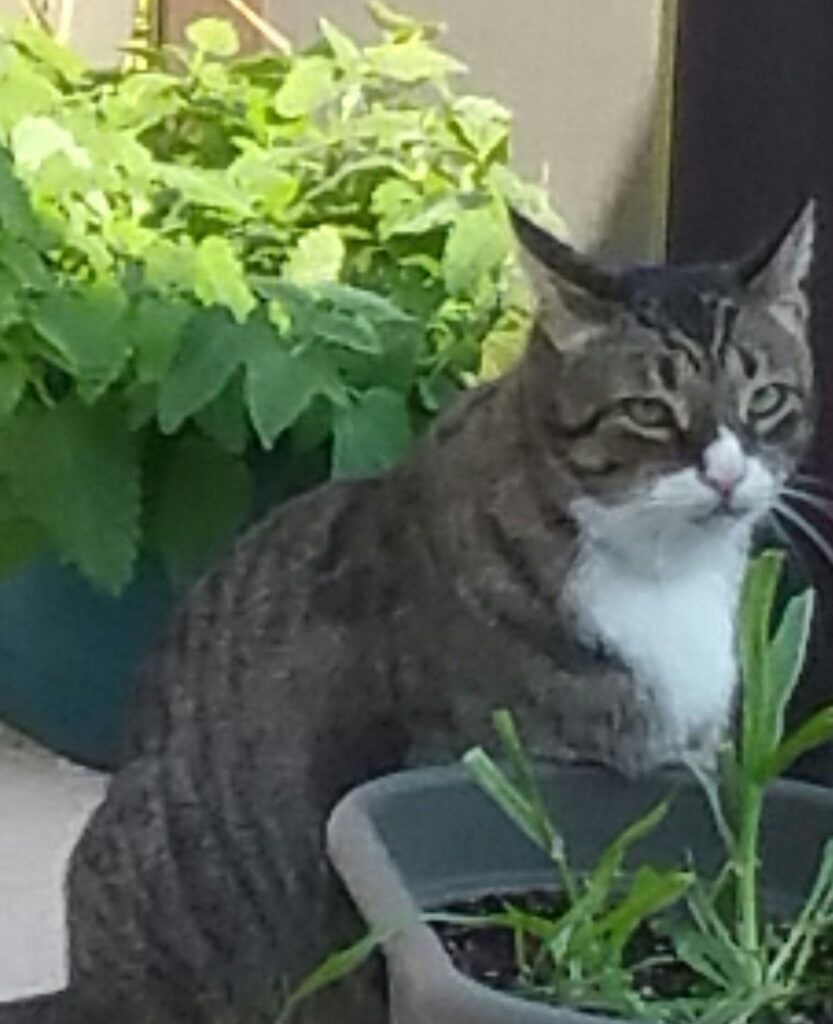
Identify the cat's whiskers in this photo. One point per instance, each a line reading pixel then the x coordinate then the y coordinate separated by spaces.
pixel 821 505
pixel 806 528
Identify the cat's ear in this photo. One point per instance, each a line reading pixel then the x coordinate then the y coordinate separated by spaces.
pixel 777 273
pixel 572 291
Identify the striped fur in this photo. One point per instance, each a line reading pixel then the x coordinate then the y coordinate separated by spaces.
pixel 375 624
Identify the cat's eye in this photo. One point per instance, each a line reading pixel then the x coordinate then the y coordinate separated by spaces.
pixel 768 400
pixel 649 413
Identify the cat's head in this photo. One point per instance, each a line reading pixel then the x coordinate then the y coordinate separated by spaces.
pixel 679 399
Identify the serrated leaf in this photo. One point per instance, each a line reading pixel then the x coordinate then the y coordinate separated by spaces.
pixel 153 330
pixel 212 348
pixel 200 500
pixel 74 471
pixel 317 257
pixel 477 245
pixel 219 278
pixel 309 85
pixel 224 419
pixel 214 36
pixel 412 60
pixel 85 328
pixel 371 433
pixel 280 384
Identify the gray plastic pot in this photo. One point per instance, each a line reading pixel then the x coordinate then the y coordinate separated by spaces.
pixel 423 839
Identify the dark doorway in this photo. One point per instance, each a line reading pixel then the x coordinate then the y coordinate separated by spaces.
pixel 753 139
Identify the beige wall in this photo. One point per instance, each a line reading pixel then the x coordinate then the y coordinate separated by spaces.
pixel 587 79
pixel 583 77
pixel 97 27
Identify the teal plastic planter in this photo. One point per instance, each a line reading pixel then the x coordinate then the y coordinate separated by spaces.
pixel 69 655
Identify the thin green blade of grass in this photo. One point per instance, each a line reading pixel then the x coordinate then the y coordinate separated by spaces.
pixel 735 961
pixel 650 892
pixel 711 788
pixel 804 932
pixel 525 777
pixel 335 968
pixel 610 862
pixel 507 796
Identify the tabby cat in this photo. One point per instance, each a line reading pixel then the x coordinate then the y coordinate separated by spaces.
pixel 568 541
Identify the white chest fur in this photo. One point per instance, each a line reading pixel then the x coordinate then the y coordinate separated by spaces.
pixel 674 629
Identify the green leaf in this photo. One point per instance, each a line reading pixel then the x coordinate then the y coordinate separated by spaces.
pixel 224 419
pixel 607 868
pixel 317 257
pixel 371 433
pixel 153 331
pixel 390 20
pixel 343 48
pixel 483 123
pixel 787 650
pixel 280 384
pixel 514 804
pixel 757 600
pixel 212 348
pixel 14 375
pixel 21 541
pixel 85 328
pixel 704 954
pixel 412 60
pixel 524 778
pixel 206 187
pixel 220 278
pixel 816 731
pixel 309 85
pixel 36 139
pixel 650 892
pixel 335 968
pixel 477 245
pixel 214 36
pixel 202 497
pixel 74 471
pixel 15 206
pixel 45 48
pixel 350 331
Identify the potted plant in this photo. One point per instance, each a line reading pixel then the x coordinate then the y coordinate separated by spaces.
pixel 222 280
pixel 584 896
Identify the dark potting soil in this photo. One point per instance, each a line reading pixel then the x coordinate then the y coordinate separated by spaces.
pixel 489 954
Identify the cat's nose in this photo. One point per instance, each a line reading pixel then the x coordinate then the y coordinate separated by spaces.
pixel 724 464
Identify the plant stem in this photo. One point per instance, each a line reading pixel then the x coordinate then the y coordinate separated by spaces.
pixel 747 865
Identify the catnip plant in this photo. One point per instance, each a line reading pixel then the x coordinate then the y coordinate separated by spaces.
pixel 219 271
